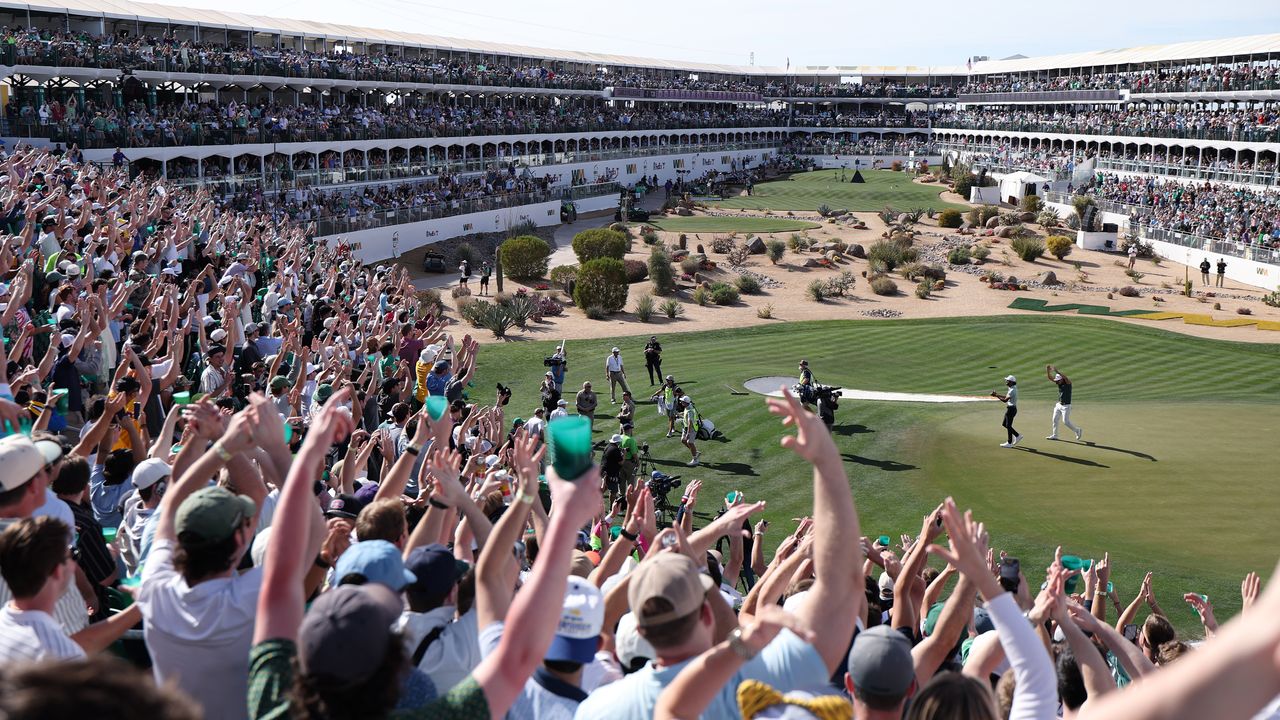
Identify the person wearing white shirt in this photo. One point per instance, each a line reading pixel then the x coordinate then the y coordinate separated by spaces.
pixel 37 563
pixel 616 374
pixel 445 648
pixel 560 410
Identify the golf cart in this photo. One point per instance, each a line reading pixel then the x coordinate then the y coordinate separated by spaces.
pixel 433 262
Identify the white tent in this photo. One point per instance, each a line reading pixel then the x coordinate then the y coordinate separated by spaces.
pixel 1019 184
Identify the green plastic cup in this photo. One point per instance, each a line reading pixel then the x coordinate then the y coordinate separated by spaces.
pixel 569 446
pixel 109 534
pixel 1071 562
pixel 182 398
pixel 132 581
pixel 436 406
pixel 883 540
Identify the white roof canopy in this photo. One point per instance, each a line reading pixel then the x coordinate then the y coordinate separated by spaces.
pixel 156 13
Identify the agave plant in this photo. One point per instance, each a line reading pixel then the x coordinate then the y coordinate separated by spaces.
pixel 824 210
pixel 888 216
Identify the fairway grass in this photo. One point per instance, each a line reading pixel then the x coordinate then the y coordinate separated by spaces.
pixel 806 191
pixel 709 224
pixel 1179 479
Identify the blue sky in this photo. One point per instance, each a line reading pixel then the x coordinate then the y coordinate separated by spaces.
pixel 809 32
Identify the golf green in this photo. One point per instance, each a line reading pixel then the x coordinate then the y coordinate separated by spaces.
pixel 806 191
pixel 1175 474
pixel 703 223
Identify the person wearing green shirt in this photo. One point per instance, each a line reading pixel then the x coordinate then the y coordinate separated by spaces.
pixel 666 399
pixel 630 452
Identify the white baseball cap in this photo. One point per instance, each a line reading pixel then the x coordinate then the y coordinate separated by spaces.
pixel 615 350
pixel 149 472
pixel 581 620
pixel 21 460
pixel 628 643
pixel 218 335
pixel 1010 378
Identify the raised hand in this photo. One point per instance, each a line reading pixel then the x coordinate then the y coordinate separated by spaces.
pixel 1249 590
pixel 812 440
pixel 336 541
pixel 579 500
pixel 527 455
pixel 1203 608
pixel 968 548
pixel 443 465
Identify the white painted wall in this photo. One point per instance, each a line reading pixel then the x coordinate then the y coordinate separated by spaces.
pixel 375 244
pixel 1249 272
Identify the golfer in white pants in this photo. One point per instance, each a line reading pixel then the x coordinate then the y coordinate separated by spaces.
pixel 1062 410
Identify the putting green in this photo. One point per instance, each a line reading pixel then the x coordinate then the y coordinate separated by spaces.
pixel 806 191
pixel 1180 479
pixel 707 224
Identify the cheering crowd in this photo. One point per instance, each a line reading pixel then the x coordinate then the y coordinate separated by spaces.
pixel 263 453
pixel 1191 78
pixel 1215 211
pixel 208 123
pixel 1256 124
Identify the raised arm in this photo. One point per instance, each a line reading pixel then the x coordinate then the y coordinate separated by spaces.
pixel 837 593
pixel 494 581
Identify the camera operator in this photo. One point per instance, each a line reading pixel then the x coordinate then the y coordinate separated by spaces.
pixel 558 364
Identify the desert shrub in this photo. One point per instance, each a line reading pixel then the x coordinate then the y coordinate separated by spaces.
pixel 524 257
pixel 911 270
pixel 891 254
pixel 1156 260
pixel 601 282
pixel 840 285
pixel 722 245
pixel 620 228
pixel 644 307
pixel 1272 299
pixel 464 251
pixel 1029 249
pixel 690 265
pixel 599 243
pixel 671 308
pixel 1049 217
pixel 958 256
pixel 933 272
pixel 493 317
pixel 980 252
pixel 980 215
pixel 747 285
pixel 924 289
pixel 660 273
pixel 595 312
pixel 1059 245
pixel 701 296
pixel 1128 291
pixel 648 235
pixel 1031 203
pixel 460 291
pixel 549 307
pixel 765 312
pixel 738 255
pixel 1008 219
pixel 884 286
pixel 775 249
pixel 824 210
pixel 636 270
pixel 797 243
pixel 723 293
pixel 520 307
pixel 963 186
pixel 1134 275
pixel 816 290
pixel 562 274
pixel 1145 249
pixel 1243 311
pixel 950 218
pixel 896 166
pixel 1081 203
pixel 430 302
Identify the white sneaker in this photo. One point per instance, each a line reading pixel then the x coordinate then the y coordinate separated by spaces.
pixel 1016 439
pixel 1079 434
pixel 1051 437
pixel 692 463
pixel 1006 445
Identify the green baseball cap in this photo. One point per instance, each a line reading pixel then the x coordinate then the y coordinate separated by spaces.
pixel 212 515
pixel 324 392
pixel 279 382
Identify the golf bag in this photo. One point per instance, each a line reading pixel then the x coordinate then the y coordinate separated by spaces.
pixel 827 398
pixel 706 429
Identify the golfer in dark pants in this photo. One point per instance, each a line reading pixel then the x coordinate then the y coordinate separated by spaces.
pixel 1010 401
pixel 653 359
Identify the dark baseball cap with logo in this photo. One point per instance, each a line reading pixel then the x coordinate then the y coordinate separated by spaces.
pixel 212 515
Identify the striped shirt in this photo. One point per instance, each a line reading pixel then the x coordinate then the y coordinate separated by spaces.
pixel 34 635
pixel 70 611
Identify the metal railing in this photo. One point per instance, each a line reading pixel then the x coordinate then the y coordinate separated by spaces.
pixel 403 215
pixel 1246 177
pixel 207 133
pixel 1269 135
pixel 1046 96
pixel 290 179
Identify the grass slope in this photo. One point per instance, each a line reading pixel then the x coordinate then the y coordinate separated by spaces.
pixel 806 191
pixel 729 224
pixel 1177 479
